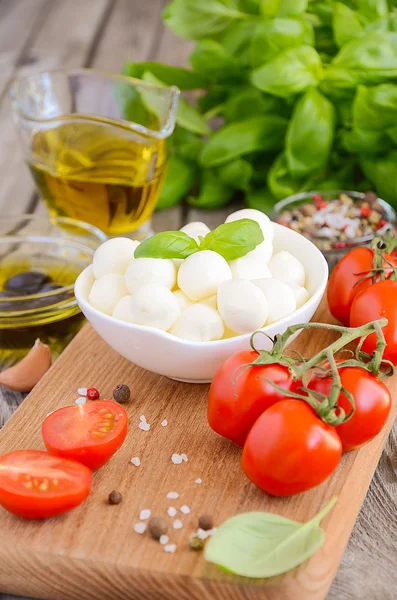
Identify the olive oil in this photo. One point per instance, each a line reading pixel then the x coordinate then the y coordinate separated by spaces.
pixel 51 316
pixel 107 176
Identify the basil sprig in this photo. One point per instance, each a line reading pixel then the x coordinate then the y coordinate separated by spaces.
pixel 262 544
pixel 230 240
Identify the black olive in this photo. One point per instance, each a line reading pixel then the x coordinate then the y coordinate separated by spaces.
pixel 29 282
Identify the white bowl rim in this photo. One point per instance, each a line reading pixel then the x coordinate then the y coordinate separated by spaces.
pixel 316 297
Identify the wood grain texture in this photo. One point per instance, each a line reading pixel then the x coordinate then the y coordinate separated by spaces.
pixel 94 553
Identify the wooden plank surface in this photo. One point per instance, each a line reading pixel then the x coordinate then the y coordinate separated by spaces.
pixel 93 553
pixel 367 570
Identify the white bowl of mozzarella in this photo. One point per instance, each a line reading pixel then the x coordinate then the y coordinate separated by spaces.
pixel 184 318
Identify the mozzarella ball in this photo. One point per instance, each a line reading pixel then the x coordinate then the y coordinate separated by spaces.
pixel 255 215
pixel 301 294
pixel 183 300
pixel 263 251
pixel 198 323
pixel 250 266
pixel 286 267
pixel 152 305
pixel 194 229
pixel 201 273
pixel 242 306
pixel 107 291
pixel 113 256
pixel 122 311
pixel 211 301
pixel 150 270
pixel 280 298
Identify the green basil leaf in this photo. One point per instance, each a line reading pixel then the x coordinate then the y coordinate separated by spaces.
pixel 346 24
pixel 382 173
pixel 236 39
pixel 247 102
pixel 237 139
pixel 184 79
pixel 323 11
pixel 310 134
pixel 167 244
pixel 280 181
pixel 212 60
pixel 178 182
pixel 215 96
pixel 237 174
pixel 186 144
pixel 213 192
pixel 291 72
pixel 375 108
pixel 260 544
pixel 364 141
pixel 273 36
pixel 373 9
pixel 193 20
pixel 233 240
pixel 261 200
pixel 283 8
pixel 189 118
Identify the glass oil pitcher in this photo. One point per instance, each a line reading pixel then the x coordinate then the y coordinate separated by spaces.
pixel 95 144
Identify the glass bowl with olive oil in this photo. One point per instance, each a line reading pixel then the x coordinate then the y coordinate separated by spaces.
pixel 40 259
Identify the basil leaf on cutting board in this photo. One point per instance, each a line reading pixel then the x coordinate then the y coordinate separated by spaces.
pixel 261 544
pixel 233 240
pixel 310 134
pixel 167 244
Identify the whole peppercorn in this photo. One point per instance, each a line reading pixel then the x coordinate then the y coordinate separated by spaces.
pixel 205 522
pixel 157 527
pixel 121 393
pixel 196 543
pixel 115 497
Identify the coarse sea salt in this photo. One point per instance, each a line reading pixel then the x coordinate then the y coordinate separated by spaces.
pixel 177 524
pixel 176 459
pixel 170 548
pixel 198 480
pixel 136 461
pixel 82 391
pixel 140 528
pixel 185 509
pixel 142 418
pixel 171 511
pixel 164 423
pixel 80 400
pixel 204 534
pixel 145 514
pixel 164 539
pixel 144 426
pixel 184 457
pixel 173 495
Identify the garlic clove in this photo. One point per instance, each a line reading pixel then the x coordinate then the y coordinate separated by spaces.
pixel 23 376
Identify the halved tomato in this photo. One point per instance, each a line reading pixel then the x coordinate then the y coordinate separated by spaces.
pixel 36 485
pixel 89 433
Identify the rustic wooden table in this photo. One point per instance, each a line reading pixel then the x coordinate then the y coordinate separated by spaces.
pixel 46 34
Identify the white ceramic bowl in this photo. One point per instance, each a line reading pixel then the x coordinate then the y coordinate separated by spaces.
pixel 195 362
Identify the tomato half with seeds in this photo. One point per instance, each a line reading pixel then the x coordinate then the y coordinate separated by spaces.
pixel 343 284
pixel 372 400
pixel 89 433
pixel 239 394
pixel 37 485
pixel 290 450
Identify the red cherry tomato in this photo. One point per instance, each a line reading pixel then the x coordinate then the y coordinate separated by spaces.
pixel 90 433
pixel 372 400
pixel 376 302
pixel 290 450
pixel 36 485
pixel 238 396
pixel 342 288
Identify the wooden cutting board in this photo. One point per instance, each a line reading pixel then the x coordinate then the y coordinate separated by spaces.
pixel 94 553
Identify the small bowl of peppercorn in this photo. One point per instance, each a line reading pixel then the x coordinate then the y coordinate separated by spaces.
pixel 40 259
pixel 336 221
